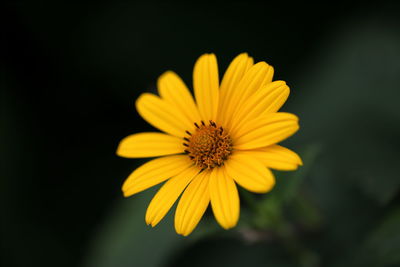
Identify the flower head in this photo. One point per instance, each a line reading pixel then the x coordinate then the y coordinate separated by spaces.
pixel 227 136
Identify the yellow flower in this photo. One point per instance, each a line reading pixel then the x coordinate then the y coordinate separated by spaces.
pixel 228 135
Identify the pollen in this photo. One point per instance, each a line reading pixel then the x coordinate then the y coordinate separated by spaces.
pixel 209 146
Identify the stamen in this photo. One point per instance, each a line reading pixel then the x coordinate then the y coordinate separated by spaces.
pixel 188 133
pixel 209 146
pixel 186 139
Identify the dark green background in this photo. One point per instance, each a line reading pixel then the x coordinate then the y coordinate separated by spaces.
pixel 71 74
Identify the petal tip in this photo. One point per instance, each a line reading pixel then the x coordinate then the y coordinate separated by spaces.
pixel 126 193
pixel 180 231
pixel 139 101
pixel 261 64
pixel 228 225
pixel 182 234
pixel 242 55
pixel 118 151
pixel 299 161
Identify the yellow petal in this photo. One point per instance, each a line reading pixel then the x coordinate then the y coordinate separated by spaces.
pixel 162 115
pixel 192 204
pixel 155 172
pixel 206 86
pixel 235 72
pixel 142 145
pixel 268 99
pixel 256 77
pixel 275 96
pixel 224 198
pixel 265 131
pixel 168 194
pixel 277 157
pixel 173 90
pixel 249 172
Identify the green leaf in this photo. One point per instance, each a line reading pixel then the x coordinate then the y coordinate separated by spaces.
pixel 126 240
pixel 267 212
pixel 382 246
pixel 289 183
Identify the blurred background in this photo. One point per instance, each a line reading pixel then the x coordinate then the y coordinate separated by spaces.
pixel 71 73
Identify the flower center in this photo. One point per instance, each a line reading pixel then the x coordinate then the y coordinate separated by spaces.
pixel 208 146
